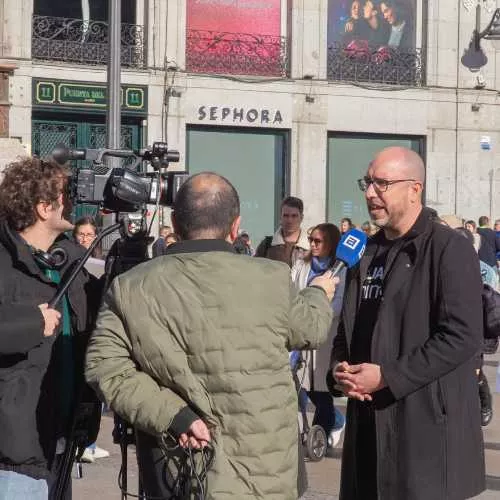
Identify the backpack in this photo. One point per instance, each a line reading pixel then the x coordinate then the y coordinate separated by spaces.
pixel 266 245
pixel 491 319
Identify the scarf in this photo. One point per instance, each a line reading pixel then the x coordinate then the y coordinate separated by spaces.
pixel 318 266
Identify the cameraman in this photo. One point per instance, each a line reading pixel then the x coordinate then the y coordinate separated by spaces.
pixel 192 347
pixel 36 355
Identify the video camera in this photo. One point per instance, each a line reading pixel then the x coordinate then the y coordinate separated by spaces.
pixel 123 189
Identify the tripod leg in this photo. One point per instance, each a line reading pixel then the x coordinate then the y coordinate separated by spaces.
pixel 65 466
pixel 79 470
pixel 124 470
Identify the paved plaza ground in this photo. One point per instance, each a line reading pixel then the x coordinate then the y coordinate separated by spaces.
pixel 100 478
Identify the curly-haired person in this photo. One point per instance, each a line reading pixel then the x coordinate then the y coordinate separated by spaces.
pixel 34 405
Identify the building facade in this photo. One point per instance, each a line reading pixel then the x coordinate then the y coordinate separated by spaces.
pixel 281 96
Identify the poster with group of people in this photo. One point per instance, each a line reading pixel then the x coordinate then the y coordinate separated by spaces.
pixel 375 25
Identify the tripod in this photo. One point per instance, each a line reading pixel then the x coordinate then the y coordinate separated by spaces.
pixel 126 253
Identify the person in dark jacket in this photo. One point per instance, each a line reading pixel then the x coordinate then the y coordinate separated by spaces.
pixel 406 348
pixel 159 246
pixel 490 242
pixel 484 388
pixel 36 391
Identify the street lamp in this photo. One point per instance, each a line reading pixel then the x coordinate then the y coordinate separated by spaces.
pixel 474 58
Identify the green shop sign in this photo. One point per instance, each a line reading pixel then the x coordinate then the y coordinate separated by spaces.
pixel 61 94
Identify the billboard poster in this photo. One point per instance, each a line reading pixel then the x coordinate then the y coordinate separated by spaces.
pixel 376 24
pixel 258 17
pixel 235 37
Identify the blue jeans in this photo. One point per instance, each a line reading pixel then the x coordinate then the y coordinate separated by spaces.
pixel 14 486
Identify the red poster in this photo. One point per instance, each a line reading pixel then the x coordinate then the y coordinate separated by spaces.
pixel 257 17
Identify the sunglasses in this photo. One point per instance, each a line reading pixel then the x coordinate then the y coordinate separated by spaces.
pixel 316 241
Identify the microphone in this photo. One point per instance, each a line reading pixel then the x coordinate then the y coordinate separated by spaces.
pixel 62 154
pixel 349 251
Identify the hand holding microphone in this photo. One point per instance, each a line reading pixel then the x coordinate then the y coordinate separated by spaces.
pixel 348 254
pixel 327 281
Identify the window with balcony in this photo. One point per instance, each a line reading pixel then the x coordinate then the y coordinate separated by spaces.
pixel 237 38
pixel 76 31
pixel 376 42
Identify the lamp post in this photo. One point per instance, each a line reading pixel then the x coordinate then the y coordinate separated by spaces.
pixel 474 58
pixel 113 112
pixel 491 32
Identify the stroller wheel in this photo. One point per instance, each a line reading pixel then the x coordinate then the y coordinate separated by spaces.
pixel 316 443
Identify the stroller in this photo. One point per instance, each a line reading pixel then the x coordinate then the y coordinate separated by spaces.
pixel 314 437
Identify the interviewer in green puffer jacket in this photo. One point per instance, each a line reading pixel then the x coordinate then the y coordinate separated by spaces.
pixel 195 344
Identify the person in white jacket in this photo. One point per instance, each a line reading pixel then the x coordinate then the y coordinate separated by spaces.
pixel 323 241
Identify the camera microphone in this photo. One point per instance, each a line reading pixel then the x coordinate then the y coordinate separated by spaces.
pixel 62 154
pixel 349 251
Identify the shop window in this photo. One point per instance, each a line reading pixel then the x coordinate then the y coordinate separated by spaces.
pixel 348 158
pixel 254 161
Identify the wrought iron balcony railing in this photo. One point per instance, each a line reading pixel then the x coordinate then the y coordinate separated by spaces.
pixel 237 53
pixel 359 62
pixel 81 42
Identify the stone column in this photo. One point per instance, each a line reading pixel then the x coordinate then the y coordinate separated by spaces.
pixel 308 42
pixel 5 71
pixel 16 29
pixel 309 150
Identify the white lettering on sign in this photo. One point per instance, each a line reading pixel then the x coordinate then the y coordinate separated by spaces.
pixel 351 242
pixel 239 115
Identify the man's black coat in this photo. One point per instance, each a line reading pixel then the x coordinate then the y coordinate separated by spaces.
pixel 428 331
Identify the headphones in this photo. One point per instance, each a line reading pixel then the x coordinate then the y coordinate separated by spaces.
pixel 55 259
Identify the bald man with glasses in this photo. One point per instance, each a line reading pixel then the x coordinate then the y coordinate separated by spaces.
pixel 410 328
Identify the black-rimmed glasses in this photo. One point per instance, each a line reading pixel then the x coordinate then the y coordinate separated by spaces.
pixel 380 184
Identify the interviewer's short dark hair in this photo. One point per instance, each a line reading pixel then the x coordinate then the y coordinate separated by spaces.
pixel 205 207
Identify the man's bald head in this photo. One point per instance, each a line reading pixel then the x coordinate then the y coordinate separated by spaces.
pixel 394 195
pixel 206 207
pixel 404 161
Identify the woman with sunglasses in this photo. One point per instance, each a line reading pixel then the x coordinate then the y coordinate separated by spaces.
pixel 323 239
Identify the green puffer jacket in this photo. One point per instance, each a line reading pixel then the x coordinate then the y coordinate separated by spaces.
pixel 213 329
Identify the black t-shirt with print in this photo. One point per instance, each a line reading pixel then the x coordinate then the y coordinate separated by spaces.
pixel 360 352
pixel 371 296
